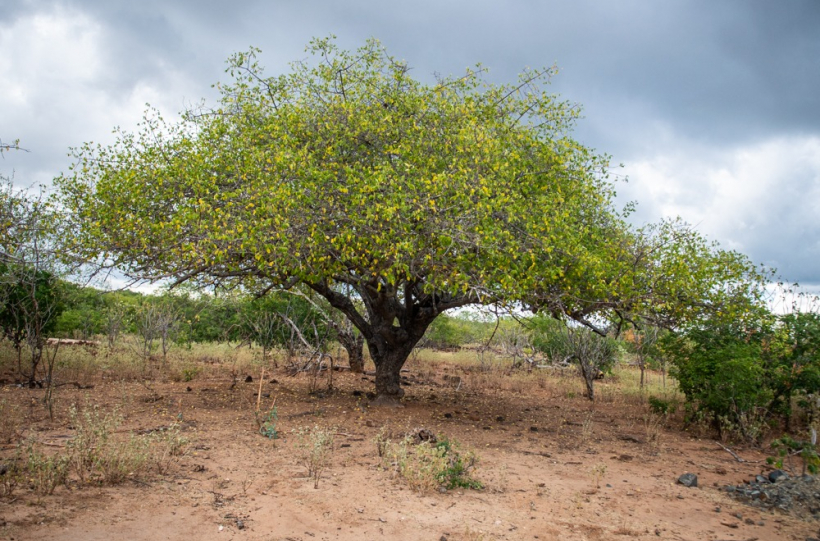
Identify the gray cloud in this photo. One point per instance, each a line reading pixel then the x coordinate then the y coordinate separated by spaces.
pixel 681 91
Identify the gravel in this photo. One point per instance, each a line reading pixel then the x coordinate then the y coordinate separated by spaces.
pixel 797 496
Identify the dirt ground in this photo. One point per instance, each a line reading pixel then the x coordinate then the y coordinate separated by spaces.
pixel 552 467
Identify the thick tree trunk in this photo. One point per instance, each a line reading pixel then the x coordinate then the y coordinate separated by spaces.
pixel 389 357
pixel 354 345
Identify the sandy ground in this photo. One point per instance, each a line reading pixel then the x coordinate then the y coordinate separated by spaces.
pixel 539 449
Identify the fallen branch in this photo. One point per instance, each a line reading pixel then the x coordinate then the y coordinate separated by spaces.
pixel 735 455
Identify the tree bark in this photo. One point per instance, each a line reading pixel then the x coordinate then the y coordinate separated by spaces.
pixel 354 345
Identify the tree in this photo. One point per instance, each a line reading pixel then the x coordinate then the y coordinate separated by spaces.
pixel 30 292
pixel 394 200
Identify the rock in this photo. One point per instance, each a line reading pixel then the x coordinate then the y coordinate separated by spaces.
pixel 420 435
pixel 240 524
pixel 778 475
pixel 761 479
pixel 689 480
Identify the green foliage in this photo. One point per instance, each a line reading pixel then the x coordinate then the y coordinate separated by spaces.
pixel 793 360
pixel 661 406
pixel 387 195
pixel 31 299
pixel 459 465
pixel 547 336
pixel 787 447
pixel 720 370
pixel 267 423
pixel 742 373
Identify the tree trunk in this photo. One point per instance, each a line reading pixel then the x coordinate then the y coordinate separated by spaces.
pixel 354 345
pixel 389 356
pixel 388 377
pixel 589 373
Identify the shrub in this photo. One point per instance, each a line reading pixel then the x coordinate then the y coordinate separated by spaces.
pixel 661 406
pixel 45 472
pixel 315 447
pixel 430 465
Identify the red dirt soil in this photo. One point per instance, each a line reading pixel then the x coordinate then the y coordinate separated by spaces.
pixel 538 452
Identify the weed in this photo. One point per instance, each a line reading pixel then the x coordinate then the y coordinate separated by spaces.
pixel 653 426
pixel 45 472
pixel 383 441
pixel 267 423
pixel 598 471
pixel 315 447
pixel 587 427
pixel 429 466
pixel 10 420
pixel 119 460
pixel 92 433
pixel 165 447
pixel 95 454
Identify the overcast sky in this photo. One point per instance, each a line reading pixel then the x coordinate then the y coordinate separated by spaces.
pixel 712 107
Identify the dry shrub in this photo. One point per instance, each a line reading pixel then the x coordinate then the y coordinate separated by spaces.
pixel 10 421
pixel 430 465
pixel 315 448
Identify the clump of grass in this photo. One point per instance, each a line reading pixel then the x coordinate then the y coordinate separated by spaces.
pixel 166 447
pixel 96 455
pixel 597 472
pixel 10 421
pixel 43 472
pixel 315 448
pixel 653 425
pixel 432 465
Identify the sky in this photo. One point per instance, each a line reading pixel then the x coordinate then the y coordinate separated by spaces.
pixel 713 108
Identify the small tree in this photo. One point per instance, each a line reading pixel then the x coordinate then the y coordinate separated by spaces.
pixel 30 293
pixel 594 354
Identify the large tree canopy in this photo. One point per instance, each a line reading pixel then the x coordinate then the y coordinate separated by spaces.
pixel 394 199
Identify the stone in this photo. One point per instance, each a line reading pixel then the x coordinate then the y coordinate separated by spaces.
pixel 689 480
pixel 778 475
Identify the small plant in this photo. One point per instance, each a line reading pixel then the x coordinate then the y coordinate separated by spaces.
pixel 587 428
pixel 456 474
pixel 10 420
pixel 267 423
pixel 95 454
pixel 315 447
pixel 598 471
pixel 119 460
pixel 382 441
pixel 93 430
pixel 429 465
pixel 189 373
pixel 653 425
pixel 44 472
pixel 787 447
pixel 166 446
pixel 661 406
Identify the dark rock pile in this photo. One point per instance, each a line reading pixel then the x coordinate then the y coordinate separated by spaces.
pixel 798 496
